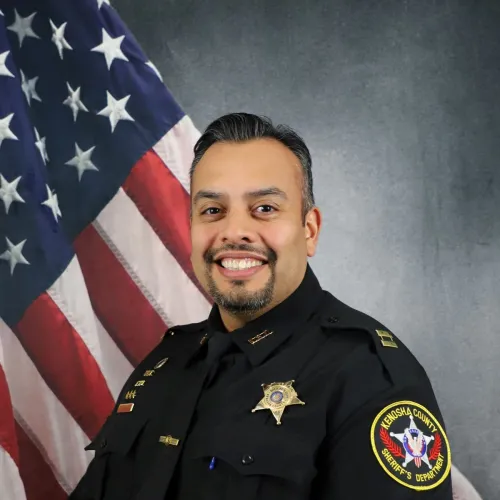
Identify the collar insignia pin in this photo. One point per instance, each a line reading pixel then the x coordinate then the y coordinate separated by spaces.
pixel 160 363
pixel 259 337
pixel 277 396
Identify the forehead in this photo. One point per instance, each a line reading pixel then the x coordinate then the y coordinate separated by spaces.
pixel 236 168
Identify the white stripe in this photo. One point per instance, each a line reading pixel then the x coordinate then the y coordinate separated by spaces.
pixel 71 296
pixel 149 263
pixel 176 149
pixel 56 434
pixel 10 480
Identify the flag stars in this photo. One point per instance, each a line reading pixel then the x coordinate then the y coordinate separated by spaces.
pixel 22 27
pixel 40 144
pixel 74 102
pixel 52 203
pixel 14 254
pixel 100 3
pixel 155 69
pixel 82 161
pixel 115 110
pixel 8 192
pixel 29 88
pixel 5 131
pixel 110 47
pixel 4 71
pixel 58 38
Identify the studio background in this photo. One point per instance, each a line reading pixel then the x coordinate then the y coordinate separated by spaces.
pixel 399 103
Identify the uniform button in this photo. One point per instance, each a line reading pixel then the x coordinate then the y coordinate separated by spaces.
pixel 103 444
pixel 333 319
pixel 247 460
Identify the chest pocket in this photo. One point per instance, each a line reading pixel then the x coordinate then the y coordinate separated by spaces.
pixel 114 448
pixel 265 465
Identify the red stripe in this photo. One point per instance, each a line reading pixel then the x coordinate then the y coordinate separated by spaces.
pixel 38 478
pixel 8 439
pixel 164 203
pixel 65 363
pixel 120 305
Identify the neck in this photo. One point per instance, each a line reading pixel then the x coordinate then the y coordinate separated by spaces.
pixel 234 321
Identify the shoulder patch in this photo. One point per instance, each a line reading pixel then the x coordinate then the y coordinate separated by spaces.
pixel 411 445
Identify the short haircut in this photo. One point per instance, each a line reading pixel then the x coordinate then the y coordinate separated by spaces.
pixel 243 127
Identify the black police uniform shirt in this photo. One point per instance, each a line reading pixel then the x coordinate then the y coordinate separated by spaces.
pixel 312 400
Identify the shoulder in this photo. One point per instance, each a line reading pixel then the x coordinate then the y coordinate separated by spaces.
pixel 382 404
pixel 174 341
pixel 177 338
pixel 368 343
pixel 186 329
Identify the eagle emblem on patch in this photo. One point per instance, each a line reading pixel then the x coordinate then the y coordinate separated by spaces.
pixel 411 445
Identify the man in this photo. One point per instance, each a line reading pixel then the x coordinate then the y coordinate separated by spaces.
pixel 284 392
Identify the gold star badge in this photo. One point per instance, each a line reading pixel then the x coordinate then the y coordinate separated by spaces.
pixel 277 396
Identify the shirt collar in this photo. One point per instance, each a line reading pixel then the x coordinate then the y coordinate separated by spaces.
pixel 260 337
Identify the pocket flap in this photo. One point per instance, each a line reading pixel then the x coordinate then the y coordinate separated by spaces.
pixel 262 455
pixel 117 435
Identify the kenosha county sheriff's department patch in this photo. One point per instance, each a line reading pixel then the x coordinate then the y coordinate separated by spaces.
pixel 411 446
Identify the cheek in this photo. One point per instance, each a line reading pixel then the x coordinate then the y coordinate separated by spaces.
pixel 284 238
pixel 201 240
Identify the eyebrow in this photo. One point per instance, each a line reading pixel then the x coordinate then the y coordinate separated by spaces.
pixel 216 195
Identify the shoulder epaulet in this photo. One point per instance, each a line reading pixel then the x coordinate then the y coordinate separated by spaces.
pixel 181 329
pixel 393 353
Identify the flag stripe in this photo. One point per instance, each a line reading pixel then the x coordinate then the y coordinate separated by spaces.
pixel 157 193
pixel 57 436
pixel 175 148
pixel 38 478
pixel 127 316
pixel 7 436
pixel 149 263
pixel 65 363
pixel 70 294
pixel 11 484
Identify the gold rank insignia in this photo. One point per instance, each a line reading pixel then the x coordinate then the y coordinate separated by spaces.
pixel 277 396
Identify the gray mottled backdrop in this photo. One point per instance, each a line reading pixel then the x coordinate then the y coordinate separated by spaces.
pixel 399 102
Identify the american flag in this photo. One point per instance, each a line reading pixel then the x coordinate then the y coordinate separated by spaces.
pixel 94 231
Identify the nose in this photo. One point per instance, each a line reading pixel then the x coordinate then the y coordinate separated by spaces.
pixel 238 228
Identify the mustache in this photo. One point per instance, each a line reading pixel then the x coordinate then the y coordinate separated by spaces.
pixel 269 254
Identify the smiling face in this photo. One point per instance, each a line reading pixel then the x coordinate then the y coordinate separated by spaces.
pixel 249 240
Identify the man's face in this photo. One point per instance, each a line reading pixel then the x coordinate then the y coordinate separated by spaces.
pixel 249 242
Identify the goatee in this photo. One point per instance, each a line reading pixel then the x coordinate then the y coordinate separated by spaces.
pixel 238 300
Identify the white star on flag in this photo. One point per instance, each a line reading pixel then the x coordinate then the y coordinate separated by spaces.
pixel 115 110
pixel 22 27
pixel 52 203
pixel 82 161
pixel 74 101
pixel 5 131
pixel 1 13
pixel 29 88
pixel 101 2
pixel 110 47
pixel 8 192
pixel 14 254
pixel 40 144
pixel 4 71
pixel 155 69
pixel 58 38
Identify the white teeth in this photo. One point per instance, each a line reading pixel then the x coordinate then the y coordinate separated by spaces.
pixel 240 264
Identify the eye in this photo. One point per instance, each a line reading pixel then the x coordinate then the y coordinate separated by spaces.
pixel 211 211
pixel 265 209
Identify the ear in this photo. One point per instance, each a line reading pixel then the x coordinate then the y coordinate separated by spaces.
pixel 312 227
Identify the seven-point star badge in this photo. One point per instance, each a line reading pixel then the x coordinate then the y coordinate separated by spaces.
pixel 277 396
